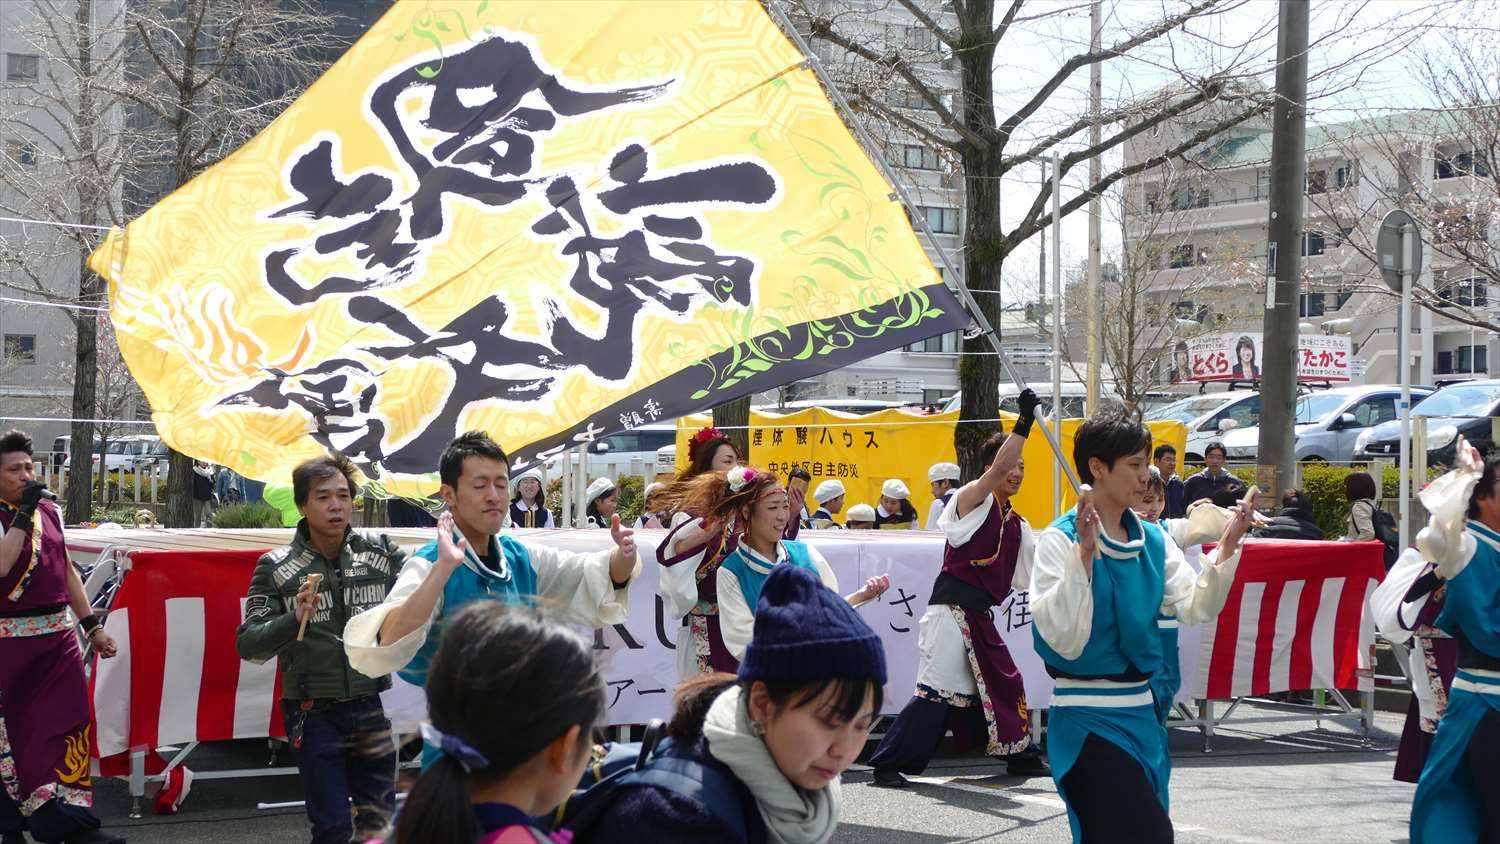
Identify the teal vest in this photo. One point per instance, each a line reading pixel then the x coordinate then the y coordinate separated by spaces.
pixel 1127 599
pixel 752 581
pixel 471 582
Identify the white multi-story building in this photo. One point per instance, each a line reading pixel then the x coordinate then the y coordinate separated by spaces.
pixel 924 372
pixel 1202 228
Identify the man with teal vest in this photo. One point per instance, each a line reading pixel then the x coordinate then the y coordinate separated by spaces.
pixel 451 571
pixel 1101 578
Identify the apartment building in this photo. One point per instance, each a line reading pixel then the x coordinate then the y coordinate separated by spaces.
pixel 924 372
pixel 1198 230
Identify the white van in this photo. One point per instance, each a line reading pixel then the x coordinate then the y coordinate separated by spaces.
pixel 1209 417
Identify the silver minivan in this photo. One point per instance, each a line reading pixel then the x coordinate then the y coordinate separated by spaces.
pixel 1329 422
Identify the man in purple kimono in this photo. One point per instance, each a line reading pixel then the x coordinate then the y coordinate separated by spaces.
pixel 966 679
pixel 45 716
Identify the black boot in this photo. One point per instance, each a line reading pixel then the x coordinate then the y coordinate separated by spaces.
pixel 889 779
pixel 1027 763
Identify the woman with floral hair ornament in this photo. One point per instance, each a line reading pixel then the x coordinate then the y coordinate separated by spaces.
pixel 729 506
pixel 692 552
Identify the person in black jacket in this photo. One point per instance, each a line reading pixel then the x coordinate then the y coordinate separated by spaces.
pixel 1293 521
pixel 1214 476
pixel 807 695
pixel 1164 458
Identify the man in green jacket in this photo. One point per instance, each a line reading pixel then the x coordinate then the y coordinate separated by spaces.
pixel 333 713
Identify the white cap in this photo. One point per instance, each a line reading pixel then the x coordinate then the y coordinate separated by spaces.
pixel 828 490
pixel 534 472
pixel 859 513
pixel 652 487
pixel 944 472
pixel 600 486
pixel 894 488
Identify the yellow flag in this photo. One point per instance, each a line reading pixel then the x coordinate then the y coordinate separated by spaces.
pixel 550 221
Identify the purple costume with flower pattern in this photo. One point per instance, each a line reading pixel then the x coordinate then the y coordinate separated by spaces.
pixel 45 714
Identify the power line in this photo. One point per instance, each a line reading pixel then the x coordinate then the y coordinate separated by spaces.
pixel 62 305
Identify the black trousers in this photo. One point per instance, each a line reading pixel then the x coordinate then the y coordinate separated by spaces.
pixel 1483 759
pixel 1112 796
pixel 916 732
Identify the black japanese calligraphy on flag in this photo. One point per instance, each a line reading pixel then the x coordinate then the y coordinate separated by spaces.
pixel 549 221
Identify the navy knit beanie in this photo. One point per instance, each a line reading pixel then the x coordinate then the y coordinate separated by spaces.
pixel 805 632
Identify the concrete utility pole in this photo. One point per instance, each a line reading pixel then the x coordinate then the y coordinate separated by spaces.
pixel 1278 385
pixel 1096 93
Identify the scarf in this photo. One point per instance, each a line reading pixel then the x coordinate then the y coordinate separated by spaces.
pixel 793 815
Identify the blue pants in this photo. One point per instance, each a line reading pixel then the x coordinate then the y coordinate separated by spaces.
pixel 345 753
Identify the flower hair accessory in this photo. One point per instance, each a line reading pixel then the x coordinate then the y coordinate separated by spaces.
pixel 461 751
pixel 739 476
pixel 706 435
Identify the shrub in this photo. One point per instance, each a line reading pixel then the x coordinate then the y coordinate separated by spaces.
pixel 257 515
pixel 1324 485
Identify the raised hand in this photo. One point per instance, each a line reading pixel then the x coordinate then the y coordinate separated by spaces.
pixel 1466 457
pixel 450 551
pixel 1242 517
pixel 873 588
pixel 623 536
pixel 1087 524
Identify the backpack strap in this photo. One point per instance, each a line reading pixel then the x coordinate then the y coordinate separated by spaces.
pixel 706 784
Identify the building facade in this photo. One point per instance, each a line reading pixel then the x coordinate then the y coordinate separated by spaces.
pixel 925 372
pixel 1198 232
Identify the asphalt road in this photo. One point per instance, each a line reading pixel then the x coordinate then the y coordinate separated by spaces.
pixel 1262 783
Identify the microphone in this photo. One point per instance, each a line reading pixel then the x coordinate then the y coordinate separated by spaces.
pixel 49 494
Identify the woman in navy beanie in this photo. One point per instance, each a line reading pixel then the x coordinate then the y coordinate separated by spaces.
pixel 808 692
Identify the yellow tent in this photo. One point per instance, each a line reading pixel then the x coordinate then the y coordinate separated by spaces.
pixel 864 451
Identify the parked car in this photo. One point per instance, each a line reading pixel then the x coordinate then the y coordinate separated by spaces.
pixel 1329 422
pixel 1209 417
pixel 1074 398
pixel 1457 409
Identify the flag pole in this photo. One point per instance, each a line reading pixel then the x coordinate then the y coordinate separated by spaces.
pixel 862 135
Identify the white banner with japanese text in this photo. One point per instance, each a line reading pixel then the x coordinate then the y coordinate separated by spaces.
pixel 1237 357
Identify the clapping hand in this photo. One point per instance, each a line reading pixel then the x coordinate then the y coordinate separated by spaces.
pixel 1241 518
pixel 1086 522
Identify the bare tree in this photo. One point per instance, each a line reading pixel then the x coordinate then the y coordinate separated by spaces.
pixel 890 85
pixel 117 399
pixel 203 77
pixel 62 167
pixel 1442 166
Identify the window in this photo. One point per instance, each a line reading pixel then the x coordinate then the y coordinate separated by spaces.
pixel 1245 413
pixel 1374 410
pixel 1344 176
pixel 1472 359
pixel 941 220
pixel 900 96
pixel 916 157
pixel 1313 243
pixel 934 397
pixel 1444 363
pixel 1310 304
pixel 1182 256
pixel 921 38
pixel 942 343
pixel 20 67
pixel 1469 292
pixel 1451 163
pixel 19 349
pixel 1316 181
pixel 1263 183
pixel 23 153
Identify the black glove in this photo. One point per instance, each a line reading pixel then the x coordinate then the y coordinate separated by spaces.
pixel 1029 402
pixel 31 495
